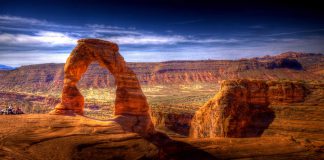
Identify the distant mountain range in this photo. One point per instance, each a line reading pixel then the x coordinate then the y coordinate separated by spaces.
pixel 4 67
pixel 285 66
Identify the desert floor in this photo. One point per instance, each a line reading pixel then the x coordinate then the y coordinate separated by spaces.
pixel 43 136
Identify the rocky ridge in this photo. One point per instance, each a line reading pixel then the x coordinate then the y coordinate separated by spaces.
pixel 49 77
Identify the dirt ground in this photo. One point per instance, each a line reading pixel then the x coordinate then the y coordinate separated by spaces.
pixel 51 137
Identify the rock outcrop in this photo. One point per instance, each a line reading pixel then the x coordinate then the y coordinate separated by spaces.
pixel 240 109
pixel 130 99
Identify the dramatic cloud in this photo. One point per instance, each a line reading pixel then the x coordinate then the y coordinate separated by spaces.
pixel 120 35
pixel 147 39
pixel 26 41
pixel 14 20
pixel 44 38
pixel 303 31
pixel 16 59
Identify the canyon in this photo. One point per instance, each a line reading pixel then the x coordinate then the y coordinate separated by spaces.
pixel 174 89
pixel 290 65
pixel 46 80
pixel 295 129
pixel 199 110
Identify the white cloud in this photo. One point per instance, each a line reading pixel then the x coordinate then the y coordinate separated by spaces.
pixel 15 23
pixel 114 33
pixel 52 34
pixel 55 38
pixel 44 38
pixel 103 26
pixel 212 40
pixel 7 19
pixel 21 23
pixel 167 39
pixel 303 31
pixel 147 39
pixel 16 59
pixel 99 28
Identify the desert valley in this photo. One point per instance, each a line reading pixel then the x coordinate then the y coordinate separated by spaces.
pixel 161 80
pixel 261 108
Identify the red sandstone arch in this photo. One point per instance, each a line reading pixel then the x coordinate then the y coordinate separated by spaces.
pixel 130 99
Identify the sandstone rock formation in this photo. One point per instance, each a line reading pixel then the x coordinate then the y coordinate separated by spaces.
pixel 240 109
pixel 130 99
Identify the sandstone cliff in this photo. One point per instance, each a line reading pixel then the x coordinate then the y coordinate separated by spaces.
pixel 49 77
pixel 240 108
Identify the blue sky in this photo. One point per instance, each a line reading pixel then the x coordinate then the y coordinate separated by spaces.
pixel 33 32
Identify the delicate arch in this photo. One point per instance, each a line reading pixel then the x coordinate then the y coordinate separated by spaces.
pixel 130 99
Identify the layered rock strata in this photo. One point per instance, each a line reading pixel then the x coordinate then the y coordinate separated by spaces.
pixel 240 108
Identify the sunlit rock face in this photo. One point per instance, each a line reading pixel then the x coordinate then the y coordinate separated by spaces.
pixel 240 109
pixel 130 99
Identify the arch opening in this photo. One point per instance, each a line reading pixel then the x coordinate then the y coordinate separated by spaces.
pixel 97 85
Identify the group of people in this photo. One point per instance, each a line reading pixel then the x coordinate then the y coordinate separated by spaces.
pixel 10 110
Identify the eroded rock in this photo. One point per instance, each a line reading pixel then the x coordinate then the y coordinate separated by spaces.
pixel 240 109
pixel 130 99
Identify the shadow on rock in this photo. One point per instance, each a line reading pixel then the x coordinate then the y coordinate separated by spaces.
pixel 168 148
pixel 260 119
pixel 176 150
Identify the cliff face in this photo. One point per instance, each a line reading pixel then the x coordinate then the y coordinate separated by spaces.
pixel 49 77
pixel 240 108
pixel 175 122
